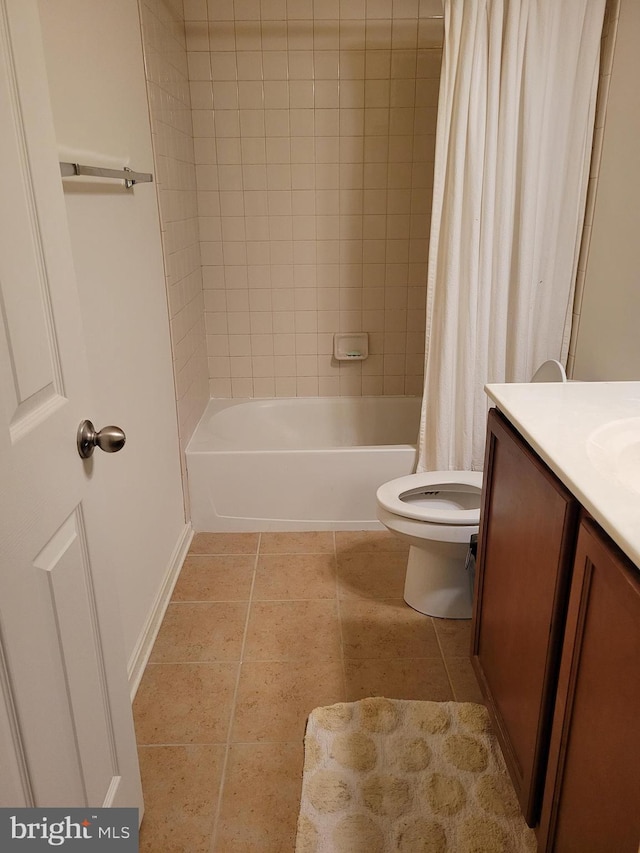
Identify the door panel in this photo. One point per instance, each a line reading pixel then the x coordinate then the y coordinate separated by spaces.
pixel 66 730
pixel 66 570
pixel 36 275
pixel 35 375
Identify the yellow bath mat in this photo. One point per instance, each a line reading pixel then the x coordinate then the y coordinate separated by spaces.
pixel 399 776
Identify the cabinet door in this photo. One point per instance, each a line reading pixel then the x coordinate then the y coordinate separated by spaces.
pixel 592 791
pixel 527 535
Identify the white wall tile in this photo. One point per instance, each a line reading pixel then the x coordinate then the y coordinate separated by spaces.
pixel 276 94
pixel 196 35
pixel 264 387
pixel 246 10
pixel 314 178
pixel 195 10
pixel 274 36
pixel 199 65
pixel 300 64
pixel 248 36
pixel 273 10
pixel 221 36
pixel 242 388
pixel 300 9
pixel 226 123
pixel 220 10
pixel 285 386
pixel 275 65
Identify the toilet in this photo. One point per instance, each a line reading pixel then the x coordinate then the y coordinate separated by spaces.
pixel 437 513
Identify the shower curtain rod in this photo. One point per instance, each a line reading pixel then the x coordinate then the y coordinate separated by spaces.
pixel 69 170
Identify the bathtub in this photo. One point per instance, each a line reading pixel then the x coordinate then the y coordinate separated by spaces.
pixel 306 463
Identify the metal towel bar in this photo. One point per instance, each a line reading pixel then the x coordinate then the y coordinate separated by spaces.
pixel 68 170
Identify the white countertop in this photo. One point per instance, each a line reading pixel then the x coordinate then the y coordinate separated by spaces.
pixel 570 426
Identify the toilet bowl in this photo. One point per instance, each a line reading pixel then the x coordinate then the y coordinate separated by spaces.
pixel 437 513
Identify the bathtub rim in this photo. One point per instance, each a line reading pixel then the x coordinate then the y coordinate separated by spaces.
pixel 199 440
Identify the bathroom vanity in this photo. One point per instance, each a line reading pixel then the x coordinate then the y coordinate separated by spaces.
pixel 556 630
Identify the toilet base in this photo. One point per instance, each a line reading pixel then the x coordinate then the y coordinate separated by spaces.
pixel 437 583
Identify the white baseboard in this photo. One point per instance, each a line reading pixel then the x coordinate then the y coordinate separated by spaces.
pixel 142 650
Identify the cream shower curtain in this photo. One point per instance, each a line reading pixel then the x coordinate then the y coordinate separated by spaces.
pixel 515 126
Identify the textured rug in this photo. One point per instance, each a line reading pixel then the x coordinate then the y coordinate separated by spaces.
pixel 383 775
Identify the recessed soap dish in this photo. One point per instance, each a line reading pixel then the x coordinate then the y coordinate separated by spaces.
pixel 350 346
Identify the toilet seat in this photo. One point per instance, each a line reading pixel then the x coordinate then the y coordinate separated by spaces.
pixel 405 496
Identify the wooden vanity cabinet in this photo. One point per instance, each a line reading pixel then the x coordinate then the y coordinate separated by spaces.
pixel 592 790
pixel 527 536
pixel 556 649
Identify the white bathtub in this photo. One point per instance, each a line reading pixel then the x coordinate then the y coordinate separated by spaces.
pixel 306 463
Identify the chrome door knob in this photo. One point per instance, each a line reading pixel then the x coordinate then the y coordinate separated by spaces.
pixel 111 439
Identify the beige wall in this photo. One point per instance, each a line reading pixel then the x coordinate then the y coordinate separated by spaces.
pixel 98 98
pixel 163 35
pixel 314 136
pixel 607 341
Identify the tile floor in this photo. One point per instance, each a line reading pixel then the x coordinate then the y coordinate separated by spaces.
pixel 261 629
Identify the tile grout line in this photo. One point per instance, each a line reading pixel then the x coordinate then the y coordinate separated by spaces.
pixel 213 743
pixel 339 609
pixel 310 659
pixel 444 659
pixel 270 600
pixel 225 763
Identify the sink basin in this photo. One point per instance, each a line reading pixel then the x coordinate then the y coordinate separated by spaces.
pixel 614 450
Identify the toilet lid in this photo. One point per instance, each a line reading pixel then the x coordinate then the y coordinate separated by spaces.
pixel 439 497
pixel 550 371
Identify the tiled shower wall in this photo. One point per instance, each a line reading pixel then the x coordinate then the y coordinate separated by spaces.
pixel 314 130
pixel 165 56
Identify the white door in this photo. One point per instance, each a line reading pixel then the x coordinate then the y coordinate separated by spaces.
pixel 66 728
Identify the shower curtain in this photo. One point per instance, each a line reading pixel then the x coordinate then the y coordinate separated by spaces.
pixel 513 144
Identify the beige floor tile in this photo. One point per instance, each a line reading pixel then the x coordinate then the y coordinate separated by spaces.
pixel 296 631
pixel 205 631
pixel 220 578
pixel 185 703
pixel 224 543
pixel 181 785
pixel 312 542
pixel 463 680
pixel 371 575
pixel 261 799
pixel 454 636
pixel 386 629
pixel 286 630
pixel 352 541
pixel 423 678
pixel 275 698
pixel 284 576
